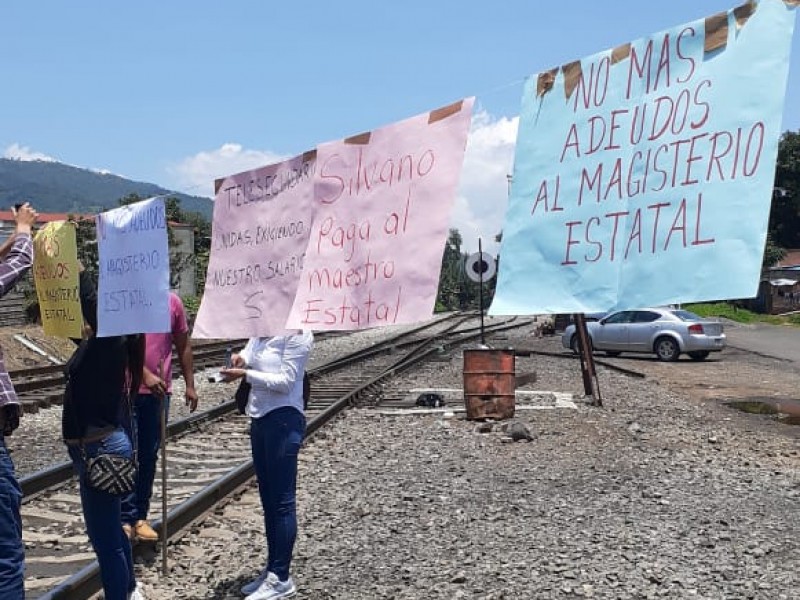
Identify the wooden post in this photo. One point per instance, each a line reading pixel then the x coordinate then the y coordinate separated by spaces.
pixel 591 385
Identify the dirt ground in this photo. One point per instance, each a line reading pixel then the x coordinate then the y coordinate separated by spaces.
pixel 19 356
pixel 730 374
pixel 725 379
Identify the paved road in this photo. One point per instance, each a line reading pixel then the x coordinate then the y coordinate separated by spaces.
pixel 770 340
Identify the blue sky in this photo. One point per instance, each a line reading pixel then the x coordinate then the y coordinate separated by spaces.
pixel 178 93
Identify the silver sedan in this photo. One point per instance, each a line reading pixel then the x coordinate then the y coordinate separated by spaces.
pixel 665 332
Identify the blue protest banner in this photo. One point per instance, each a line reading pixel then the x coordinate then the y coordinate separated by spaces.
pixel 643 175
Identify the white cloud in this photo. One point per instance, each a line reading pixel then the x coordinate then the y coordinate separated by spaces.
pixel 23 153
pixel 196 174
pixel 18 152
pixel 483 194
pixel 482 197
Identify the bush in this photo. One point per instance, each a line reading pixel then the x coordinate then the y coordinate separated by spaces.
pixel 192 305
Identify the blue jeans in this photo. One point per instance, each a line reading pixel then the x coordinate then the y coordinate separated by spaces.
pixel 275 440
pixel 102 513
pixel 12 556
pixel 147 425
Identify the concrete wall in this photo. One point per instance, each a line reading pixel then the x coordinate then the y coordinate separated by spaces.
pixel 184 280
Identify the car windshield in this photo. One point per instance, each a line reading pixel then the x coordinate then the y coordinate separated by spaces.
pixel 685 315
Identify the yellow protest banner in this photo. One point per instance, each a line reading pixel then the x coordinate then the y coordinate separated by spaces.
pixel 55 274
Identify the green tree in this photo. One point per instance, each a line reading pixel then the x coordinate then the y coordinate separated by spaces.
pixel 456 290
pixel 772 254
pixel 451 277
pixel 86 240
pixel 784 220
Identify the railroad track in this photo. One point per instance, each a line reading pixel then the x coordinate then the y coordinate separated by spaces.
pixel 209 458
pixel 572 356
pixel 42 387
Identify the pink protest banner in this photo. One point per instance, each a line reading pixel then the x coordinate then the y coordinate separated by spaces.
pixel 259 233
pixel 383 202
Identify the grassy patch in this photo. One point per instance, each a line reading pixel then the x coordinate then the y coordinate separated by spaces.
pixel 740 315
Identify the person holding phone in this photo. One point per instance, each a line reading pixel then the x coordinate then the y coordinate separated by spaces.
pixel 274 366
pixel 16 257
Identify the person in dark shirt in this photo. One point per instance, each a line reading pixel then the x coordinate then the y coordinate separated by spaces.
pixel 16 257
pixel 101 376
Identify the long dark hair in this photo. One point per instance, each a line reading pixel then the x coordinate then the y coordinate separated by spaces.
pixel 134 345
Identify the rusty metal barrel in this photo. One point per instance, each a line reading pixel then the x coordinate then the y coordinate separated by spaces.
pixel 489 383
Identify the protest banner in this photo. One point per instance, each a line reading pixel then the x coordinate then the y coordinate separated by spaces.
pixel 643 174
pixel 260 230
pixel 383 203
pixel 55 275
pixel 133 289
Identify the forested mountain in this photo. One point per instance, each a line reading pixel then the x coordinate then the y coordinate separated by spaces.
pixel 56 187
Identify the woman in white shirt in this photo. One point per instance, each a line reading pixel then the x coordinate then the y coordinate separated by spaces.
pixel 274 367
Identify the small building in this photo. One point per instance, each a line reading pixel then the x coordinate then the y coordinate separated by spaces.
pixel 778 290
pixel 777 295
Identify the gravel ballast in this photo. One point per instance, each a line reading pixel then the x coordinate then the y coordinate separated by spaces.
pixel 653 495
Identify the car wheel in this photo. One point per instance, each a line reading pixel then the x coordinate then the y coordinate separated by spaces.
pixel 699 355
pixel 667 349
pixel 574 343
pixel 613 353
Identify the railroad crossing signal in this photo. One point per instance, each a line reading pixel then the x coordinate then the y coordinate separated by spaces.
pixel 480 267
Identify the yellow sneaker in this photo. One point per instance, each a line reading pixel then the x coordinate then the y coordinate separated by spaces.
pixel 144 532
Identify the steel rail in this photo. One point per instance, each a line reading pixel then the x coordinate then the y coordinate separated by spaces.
pixel 51 369
pixel 44 479
pixel 86 582
pixel 613 367
pixel 40 481
pixel 47 478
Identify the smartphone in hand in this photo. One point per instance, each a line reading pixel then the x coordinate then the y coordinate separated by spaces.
pixel 217 377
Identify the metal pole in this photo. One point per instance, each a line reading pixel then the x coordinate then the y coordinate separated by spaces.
pixel 164 533
pixel 480 273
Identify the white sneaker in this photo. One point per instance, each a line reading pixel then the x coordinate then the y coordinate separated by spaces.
pixel 250 588
pixel 137 593
pixel 273 589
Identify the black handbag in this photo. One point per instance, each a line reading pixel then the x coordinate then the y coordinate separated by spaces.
pixel 306 390
pixel 111 473
pixel 242 395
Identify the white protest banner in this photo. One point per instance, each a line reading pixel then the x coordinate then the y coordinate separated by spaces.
pixel 262 220
pixel 381 221
pixel 133 290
